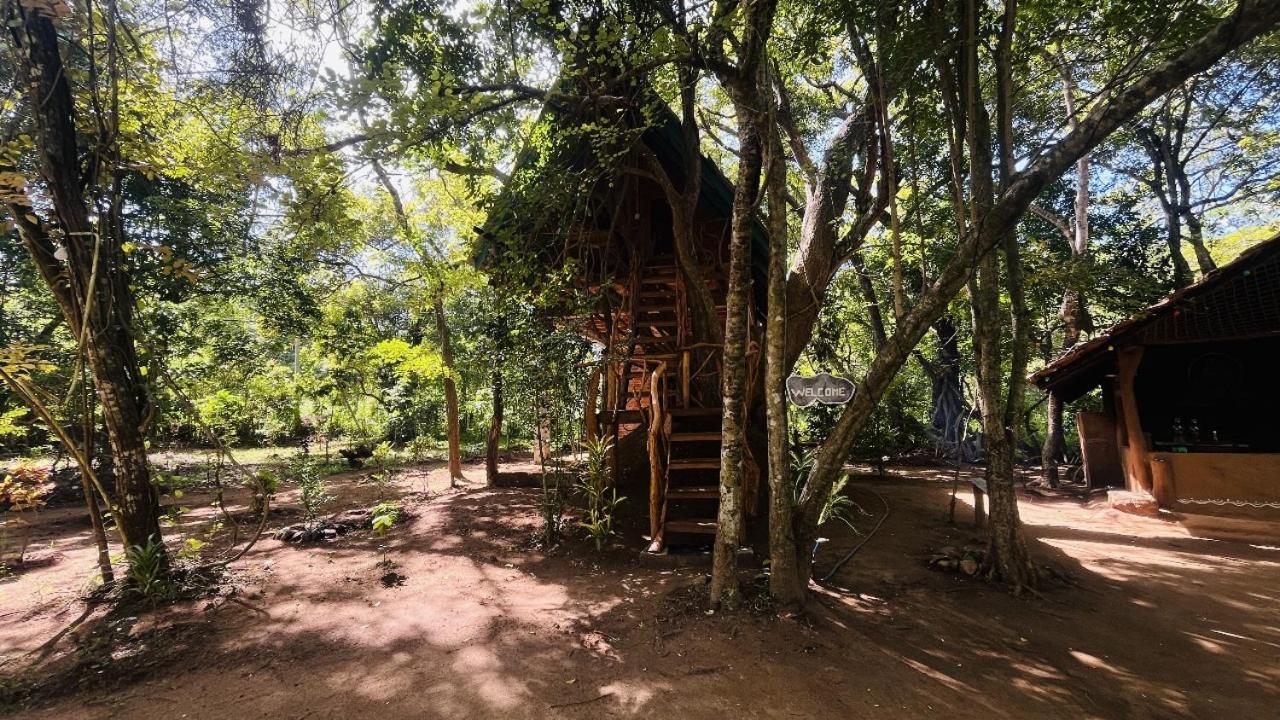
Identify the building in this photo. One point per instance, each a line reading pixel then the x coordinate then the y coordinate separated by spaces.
pixel 1191 399
pixel 657 388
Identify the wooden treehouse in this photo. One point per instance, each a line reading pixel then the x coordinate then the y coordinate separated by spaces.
pixel 656 388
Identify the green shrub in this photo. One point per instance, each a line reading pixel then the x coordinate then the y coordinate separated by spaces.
pixel 602 499
pixel 146 576
pixel 313 491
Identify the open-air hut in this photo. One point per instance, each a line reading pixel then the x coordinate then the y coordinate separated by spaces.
pixel 1190 399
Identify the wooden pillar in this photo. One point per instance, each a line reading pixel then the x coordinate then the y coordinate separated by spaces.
pixel 590 418
pixel 1162 482
pixel 1137 459
pixel 657 465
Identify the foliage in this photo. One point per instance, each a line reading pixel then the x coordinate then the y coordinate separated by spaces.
pixel 22 490
pixel 419 449
pixel 384 516
pixel 384 474
pixel 313 490
pixel 147 572
pixel 601 496
pixel 25 486
pixel 263 484
pixel 551 505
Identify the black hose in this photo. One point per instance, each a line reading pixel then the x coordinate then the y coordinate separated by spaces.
pixel 858 547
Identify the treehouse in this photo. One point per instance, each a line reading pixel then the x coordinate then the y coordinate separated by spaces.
pixel 1190 399
pixel 610 224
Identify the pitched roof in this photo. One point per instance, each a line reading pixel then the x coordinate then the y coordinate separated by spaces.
pixel 664 136
pixel 1239 300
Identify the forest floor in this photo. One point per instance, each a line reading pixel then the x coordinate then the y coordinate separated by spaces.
pixel 478 622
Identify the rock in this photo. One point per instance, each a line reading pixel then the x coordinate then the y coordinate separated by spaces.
pixel 1134 503
pixel 330 533
pixel 949 551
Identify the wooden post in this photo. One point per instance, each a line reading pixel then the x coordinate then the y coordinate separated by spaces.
pixel 1137 460
pixel 657 468
pixel 684 378
pixel 590 420
pixel 1162 482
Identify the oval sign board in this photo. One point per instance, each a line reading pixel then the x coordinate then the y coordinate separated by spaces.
pixel 823 388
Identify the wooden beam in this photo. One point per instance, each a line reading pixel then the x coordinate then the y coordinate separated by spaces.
pixel 1137 459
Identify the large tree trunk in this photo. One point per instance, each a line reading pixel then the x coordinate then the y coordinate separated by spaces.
pixel 950 411
pixel 453 431
pixel 94 270
pixel 724 580
pixel 493 443
pixel 784 565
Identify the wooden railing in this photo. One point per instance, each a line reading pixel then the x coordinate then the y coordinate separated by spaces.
pixel 659 444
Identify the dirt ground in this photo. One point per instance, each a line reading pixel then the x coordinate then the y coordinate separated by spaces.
pixel 480 623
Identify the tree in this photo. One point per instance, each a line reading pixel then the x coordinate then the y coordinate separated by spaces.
pixel 82 261
pixel 1205 147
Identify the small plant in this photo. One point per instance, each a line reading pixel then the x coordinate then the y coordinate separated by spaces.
pixel 419 449
pixel 264 484
pixel 383 458
pixel 22 490
pixel 383 517
pixel 801 465
pixel 24 487
pixel 146 576
pixel 837 505
pixel 313 491
pixel 191 548
pixel 602 499
pixel 552 506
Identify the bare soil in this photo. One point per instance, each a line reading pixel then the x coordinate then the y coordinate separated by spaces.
pixel 478 622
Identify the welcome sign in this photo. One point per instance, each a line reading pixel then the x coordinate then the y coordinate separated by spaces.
pixel 822 388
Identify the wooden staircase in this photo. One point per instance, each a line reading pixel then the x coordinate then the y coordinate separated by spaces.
pixel 684 437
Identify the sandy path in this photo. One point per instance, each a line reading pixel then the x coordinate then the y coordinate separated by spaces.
pixel 484 625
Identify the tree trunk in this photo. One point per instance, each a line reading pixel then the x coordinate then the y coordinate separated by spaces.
pixel 724 581
pixel 784 565
pixel 1007 556
pixel 90 493
pixel 93 271
pixel 1054 442
pixel 493 442
pixel 949 408
pixel 1195 236
pixel 450 394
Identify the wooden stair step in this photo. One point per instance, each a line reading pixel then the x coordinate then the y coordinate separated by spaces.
pixel 656 339
pixel 694 464
pixel 711 436
pixel 698 526
pixel 668 357
pixel 656 322
pixel 697 411
pixel 691 492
